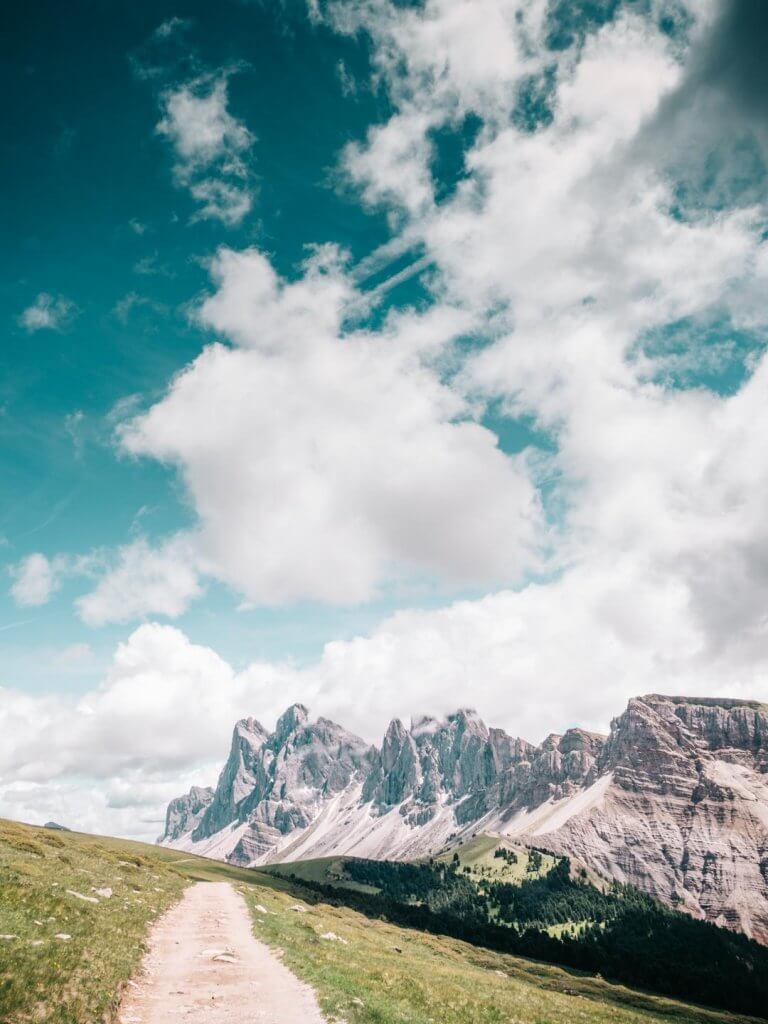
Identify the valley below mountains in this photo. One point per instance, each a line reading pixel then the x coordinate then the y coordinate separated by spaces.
pixel 673 801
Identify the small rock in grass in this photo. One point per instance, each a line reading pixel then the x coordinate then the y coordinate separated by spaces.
pixel 501 974
pixel 62 936
pixel 260 909
pixel 357 1001
pixel 80 896
pixel 9 936
pixel 37 942
pixel 298 908
pixel 333 937
pixel 105 893
pixel 397 949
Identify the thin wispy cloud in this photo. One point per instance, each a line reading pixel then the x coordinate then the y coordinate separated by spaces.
pixel 211 148
pixel 48 313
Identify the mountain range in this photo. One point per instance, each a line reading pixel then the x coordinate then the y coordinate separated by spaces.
pixel 674 800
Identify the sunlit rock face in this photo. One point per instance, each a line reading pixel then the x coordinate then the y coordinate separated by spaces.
pixel 673 800
pixel 686 814
pixel 185 812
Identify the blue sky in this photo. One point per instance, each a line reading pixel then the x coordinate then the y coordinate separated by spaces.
pixel 387 356
pixel 92 214
pixel 95 219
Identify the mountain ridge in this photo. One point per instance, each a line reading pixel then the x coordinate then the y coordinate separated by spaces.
pixel 673 800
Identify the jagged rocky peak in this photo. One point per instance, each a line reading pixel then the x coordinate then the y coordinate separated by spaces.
pixel 243 774
pixel 719 724
pixel 661 743
pixel 559 767
pixel 395 773
pixel 683 807
pixel 185 812
pixel 581 740
pixel 276 782
pixel 674 800
pixel 291 720
pixel 435 761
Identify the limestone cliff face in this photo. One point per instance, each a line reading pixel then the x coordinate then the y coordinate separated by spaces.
pixel 558 768
pixel 674 800
pixel 275 782
pixel 458 762
pixel 185 812
pixel 685 817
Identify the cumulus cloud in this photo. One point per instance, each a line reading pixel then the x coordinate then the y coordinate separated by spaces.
pixel 143 581
pixel 48 313
pixel 569 223
pixel 164 708
pixel 326 463
pixel 211 148
pixel 36 578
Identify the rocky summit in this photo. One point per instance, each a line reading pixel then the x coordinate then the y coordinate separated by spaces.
pixel 674 800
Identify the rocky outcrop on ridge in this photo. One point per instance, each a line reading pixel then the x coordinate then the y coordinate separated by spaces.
pixel 183 813
pixel 674 800
pixel 685 817
pixel 277 782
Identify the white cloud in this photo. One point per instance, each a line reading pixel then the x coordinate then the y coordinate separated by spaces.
pixel 326 462
pixel 144 581
pixel 323 464
pixel 211 148
pixel 48 312
pixel 548 657
pixel 75 655
pixel 572 229
pixel 167 28
pixel 36 579
pixel 112 758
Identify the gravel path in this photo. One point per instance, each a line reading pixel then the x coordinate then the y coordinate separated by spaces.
pixel 205 965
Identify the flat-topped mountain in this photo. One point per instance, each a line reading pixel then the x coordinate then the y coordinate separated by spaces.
pixel 674 800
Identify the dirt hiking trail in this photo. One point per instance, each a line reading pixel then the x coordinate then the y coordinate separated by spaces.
pixel 204 966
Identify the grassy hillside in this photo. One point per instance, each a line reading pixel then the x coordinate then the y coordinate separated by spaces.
pixel 64 946
pixel 532 904
pixel 490 858
pixel 378 974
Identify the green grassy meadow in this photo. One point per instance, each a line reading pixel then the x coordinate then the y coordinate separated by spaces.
pixel 365 971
